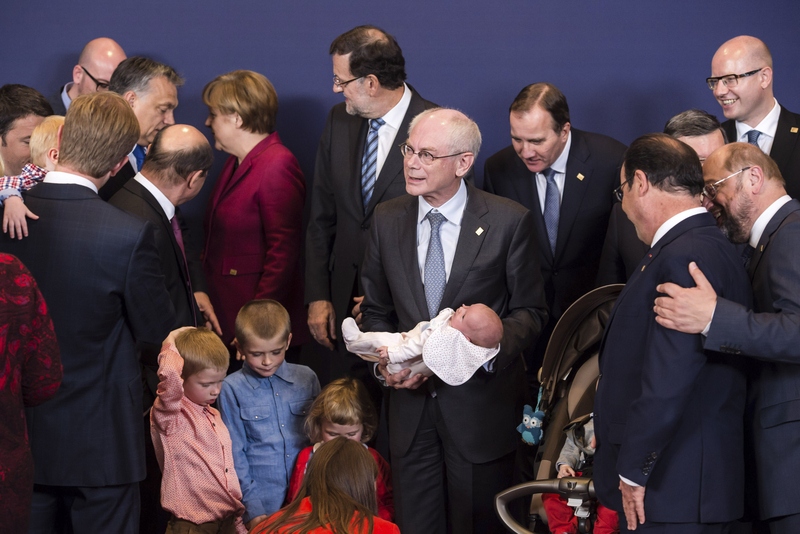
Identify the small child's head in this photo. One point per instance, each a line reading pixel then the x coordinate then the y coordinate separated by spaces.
pixel 479 324
pixel 205 364
pixel 44 142
pixel 263 333
pixel 343 408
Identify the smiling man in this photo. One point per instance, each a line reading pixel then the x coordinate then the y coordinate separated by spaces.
pixel 741 79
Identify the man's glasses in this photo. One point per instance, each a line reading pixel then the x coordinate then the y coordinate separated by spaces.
pixel 101 86
pixel 730 80
pixel 338 83
pixel 424 156
pixel 710 190
pixel 618 191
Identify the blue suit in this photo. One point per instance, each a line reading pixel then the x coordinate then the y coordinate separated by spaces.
pixel 668 415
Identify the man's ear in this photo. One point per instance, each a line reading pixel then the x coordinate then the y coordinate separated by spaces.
pixel 640 183
pixel 194 178
pixel 371 84
pixel 77 74
pixel 119 165
pixel 58 136
pixel 130 98
pixel 755 179
pixel 465 162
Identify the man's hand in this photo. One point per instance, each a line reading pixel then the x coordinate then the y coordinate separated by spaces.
pixel 322 322
pixel 357 309
pixel 633 504
pixel 174 334
pixel 255 521
pixel 564 470
pixel 400 380
pixel 14 217
pixel 687 310
pixel 204 303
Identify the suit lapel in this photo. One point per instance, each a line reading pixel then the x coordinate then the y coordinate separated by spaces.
pixel 528 189
pixel 407 238
pixel 771 228
pixel 575 185
pixel 786 136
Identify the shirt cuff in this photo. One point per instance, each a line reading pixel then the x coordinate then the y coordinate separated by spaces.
pixel 378 375
pixel 708 326
pixel 10 192
pixel 629 482
pixel 489 366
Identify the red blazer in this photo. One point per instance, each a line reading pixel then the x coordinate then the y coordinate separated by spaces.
pixel 253 226
pixel 379 526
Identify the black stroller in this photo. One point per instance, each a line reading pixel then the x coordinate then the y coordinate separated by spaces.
pixel 568 376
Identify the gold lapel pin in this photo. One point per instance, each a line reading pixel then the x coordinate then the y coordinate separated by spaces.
pixel 479 231
pixel 794 130
pixel 643 266
pixel 233 272
pixel 581 177
pixel 762 248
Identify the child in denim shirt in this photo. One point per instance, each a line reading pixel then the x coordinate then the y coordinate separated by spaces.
pixel 264 405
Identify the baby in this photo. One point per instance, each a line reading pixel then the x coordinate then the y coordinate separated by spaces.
pixel 453 345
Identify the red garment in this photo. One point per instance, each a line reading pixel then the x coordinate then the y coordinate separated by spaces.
pixel 380 526
pixel 30 373
pixel 561 517
pixel 254 232
pixel 193 448
pixel 383 485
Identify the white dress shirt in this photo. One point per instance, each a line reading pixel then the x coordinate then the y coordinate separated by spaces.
pixel 560 166
pixel 768 126
pixel 388 132
pixel 65 96
pixel 60 177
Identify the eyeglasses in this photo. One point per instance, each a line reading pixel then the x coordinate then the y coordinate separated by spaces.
pixel 618 191
pixel 101 86
pixel 710 190
pixel 424 156
pixel 338 83
pixel 730 80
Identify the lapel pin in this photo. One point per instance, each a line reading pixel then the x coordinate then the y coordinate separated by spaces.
pixel 643 266
pixel 794 130
pixel 581 177
pixel 233 272
pixel 762 248
pixel 479 231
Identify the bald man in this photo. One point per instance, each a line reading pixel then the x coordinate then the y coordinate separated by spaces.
pixel 95 66
pixel 741 79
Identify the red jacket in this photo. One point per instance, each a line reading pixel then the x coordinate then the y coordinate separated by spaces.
pixel 380 526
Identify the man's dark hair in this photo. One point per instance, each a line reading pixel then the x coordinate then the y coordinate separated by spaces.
pixel 670 165
pixel 693 123
pixel 135 73
pixel 548 97
pixel 373 51
pixel 175 166
pixel 19 101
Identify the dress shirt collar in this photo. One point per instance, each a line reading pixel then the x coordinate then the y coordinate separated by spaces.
pixel 673 221
pixel 761 223
pixel 453 209
pixel 284 372
pixel 60 177
pixel 560 164
pixel 767 126
pixel 394 117
pixel 65 96
pixel 163 201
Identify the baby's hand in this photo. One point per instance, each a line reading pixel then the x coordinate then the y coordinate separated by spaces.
pixel 565 470
pixel 383 352
pixel 14 217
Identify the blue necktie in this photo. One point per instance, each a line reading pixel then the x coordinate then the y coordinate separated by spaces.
pixel 435 276
pixel 139 153
pixel 369 163
pixel 552 205
pixel 752 137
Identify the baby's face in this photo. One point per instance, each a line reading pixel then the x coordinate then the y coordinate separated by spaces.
pixel 465 320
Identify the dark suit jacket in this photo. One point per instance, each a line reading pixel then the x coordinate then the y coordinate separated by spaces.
pixel 496 266
pixel 56 103
pixel 771 333
pixel 337 230
pixel 622 250
pixel 785 148
pixel 668 415
pixel 99 272
pixel 116 182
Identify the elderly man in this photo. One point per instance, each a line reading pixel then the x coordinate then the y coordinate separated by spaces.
pixel 741 79
pixel 668 415
pixel 98 270
pixel 358 166
pixel 93 72
pixel 21 110
pixel 745 191
pixel 151 89
pixel 445 245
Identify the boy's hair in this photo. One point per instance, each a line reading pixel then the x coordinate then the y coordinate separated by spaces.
pixel 43 138
pixel 264 319
pixel 342 402
pixel 201 349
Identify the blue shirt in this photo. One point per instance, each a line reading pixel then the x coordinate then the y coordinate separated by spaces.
pixel 265 419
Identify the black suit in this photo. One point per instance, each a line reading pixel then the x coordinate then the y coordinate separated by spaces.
pixel 592 174
pixel 57 104
pixel 622 249
pixel 116 182
pixel 495 264
pixel 785 148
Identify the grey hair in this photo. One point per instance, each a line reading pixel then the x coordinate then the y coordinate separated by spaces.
pixel 135 74
pixel 463 135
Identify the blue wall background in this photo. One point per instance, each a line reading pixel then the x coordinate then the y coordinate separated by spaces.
pixel 626 66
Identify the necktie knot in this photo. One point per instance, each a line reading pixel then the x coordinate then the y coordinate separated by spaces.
pixel 435 219
pixel 550 174
pixel 375 124
pixel 752 137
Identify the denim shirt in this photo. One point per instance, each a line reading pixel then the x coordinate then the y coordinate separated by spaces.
pixel 265 419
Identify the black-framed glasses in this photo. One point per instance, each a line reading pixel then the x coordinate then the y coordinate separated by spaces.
pixel 730 80
pixel 424 156
pixel 338 83
pixel 101 86
pixel 710 190
pixel 618 191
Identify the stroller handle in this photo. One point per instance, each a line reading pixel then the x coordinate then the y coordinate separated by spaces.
pixel 566 487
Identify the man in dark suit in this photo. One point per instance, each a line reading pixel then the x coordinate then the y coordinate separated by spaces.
pixel 95 66
pixel 668 415
pixel 349 181
pixel 151 89
pixel 450 245
pixel 741 79
pixel 570 224
pixel 98 269
pixel 754 208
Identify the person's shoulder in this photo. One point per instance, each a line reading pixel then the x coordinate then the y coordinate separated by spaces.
pixel 503 160
pixel 599 143
pixel 396 206
pixel 500 205
pixel 299 373
pixel 235 379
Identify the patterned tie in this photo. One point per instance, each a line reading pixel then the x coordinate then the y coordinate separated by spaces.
pixel 435 276
pixel 752 137
pixel 747 253
pixel 369 163
pixel 552 206
pixel 176 229
pixel 139 153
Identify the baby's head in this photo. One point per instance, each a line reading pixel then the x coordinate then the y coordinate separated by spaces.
pixel 205 364
pixel 343 408
pixel 44 142
pixel 479 324
pixel 263 333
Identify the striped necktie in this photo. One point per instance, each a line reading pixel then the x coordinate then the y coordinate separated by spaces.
pixel 369 163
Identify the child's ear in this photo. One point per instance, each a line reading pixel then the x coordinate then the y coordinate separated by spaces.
pixel 288 342
pixel 238 349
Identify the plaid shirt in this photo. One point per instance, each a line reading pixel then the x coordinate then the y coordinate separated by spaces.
pixel 15 185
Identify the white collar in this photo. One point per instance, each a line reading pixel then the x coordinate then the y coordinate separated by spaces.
pixel 560 164
pixel 65 99
pixel 163 201
pixel 766 216
pixel 61 177
pixel 673 221
pixel 768 125
pixel 394 117
pixel 453 209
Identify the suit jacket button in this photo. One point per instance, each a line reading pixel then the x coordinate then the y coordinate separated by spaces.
pixel 653 455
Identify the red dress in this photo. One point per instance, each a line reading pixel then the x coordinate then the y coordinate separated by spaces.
pixel 30 373
pixel 383 484
pixel 379 526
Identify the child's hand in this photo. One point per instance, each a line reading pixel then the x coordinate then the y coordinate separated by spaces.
pixel 565 471
pixel 383 352
pixel 14 217
pixel 174 334
pixel 255 521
